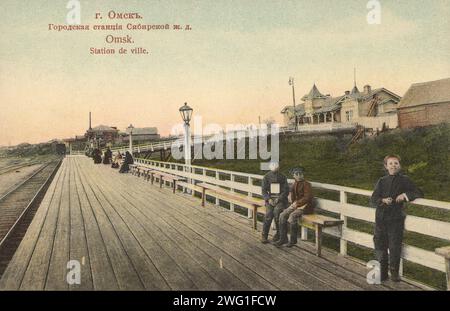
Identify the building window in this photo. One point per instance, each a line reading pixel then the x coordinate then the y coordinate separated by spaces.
pixel 349 115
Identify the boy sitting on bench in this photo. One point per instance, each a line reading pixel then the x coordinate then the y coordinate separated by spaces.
pixel 301 196
pixel 275 189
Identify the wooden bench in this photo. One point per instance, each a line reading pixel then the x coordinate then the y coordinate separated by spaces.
pixel 147 172
pixel 151 174
pixel 237 198
pixel 133 168
pixel 315 222
pixel 162 176
pixel 189 186
pixel 141 170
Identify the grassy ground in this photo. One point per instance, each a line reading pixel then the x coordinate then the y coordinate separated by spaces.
pixel 329 159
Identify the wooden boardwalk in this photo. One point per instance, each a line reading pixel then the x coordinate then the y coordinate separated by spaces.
pixel 131 235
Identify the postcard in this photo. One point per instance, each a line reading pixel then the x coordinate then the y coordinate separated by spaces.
pixel 192 148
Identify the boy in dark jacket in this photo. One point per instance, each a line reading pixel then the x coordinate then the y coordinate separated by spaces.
pixel 391 191
pixel 275 190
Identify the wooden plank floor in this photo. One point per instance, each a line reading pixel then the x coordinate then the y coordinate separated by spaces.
pixel 130 235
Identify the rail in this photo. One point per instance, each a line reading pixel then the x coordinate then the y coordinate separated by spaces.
pixel 27 208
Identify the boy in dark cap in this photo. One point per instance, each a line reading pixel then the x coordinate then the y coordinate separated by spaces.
pixel 391 191
pixel 301 196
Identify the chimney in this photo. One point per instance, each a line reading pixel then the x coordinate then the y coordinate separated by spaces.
pixel 90 123
pixel 347 92
pixel 367 89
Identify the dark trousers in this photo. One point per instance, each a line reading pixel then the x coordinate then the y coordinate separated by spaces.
pixel 290 216
pixel 272 213
pixel 389 236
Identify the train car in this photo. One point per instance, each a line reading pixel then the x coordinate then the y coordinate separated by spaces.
pixel 60 149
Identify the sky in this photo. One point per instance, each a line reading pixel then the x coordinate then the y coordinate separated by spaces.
pixel 232 67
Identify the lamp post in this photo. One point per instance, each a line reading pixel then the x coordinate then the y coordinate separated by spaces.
pixel 186 115
pixel 291 82
pixel 130 130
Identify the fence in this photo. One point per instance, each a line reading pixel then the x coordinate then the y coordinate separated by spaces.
pixel 245 183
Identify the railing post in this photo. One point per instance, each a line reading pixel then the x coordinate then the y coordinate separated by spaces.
pixel 249 211
pixel 232 190
pixel 217 178
pixel 343 201
pixel 192 180
pixel 400 267
pixel 445 253
pixel 181 168
pixel 447 272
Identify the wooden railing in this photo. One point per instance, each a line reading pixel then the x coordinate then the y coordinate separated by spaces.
pixel 178 142
pixel 160 145
pixel 76 152
pixel 237 181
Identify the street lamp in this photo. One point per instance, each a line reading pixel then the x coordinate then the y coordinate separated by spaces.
pixel 130 130
pixel 186 115
pixel 291 82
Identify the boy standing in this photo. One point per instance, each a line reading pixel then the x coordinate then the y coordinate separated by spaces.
pixel 391 191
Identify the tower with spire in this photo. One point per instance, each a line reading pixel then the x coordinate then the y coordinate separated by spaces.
pixel 355 90
pixel 313 100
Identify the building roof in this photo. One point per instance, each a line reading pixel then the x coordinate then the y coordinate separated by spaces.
pixel 330 104
pixel 103 128
pixel 299 108
pixel 144 131
pixel 432 92
pixel 334 103
pixel 314 93
pixel 355 90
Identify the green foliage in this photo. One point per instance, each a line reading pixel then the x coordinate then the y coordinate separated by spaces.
pixel 327 159
pixel 28 150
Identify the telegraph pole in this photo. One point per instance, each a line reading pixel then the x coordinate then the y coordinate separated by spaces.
pixel 291 82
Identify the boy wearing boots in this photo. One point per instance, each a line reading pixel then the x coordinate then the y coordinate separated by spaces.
pixel 301 196
pixel 391 191
pixel 275 190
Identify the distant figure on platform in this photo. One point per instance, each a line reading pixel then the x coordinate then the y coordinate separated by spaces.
pixel 97 155
pixel 391 191
pixel 275 190
pixel 107 156
pixel 117 160
pixel 302 204
pixel 126 164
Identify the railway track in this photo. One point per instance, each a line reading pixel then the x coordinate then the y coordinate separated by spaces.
pixel 14 167
pixel 18 207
